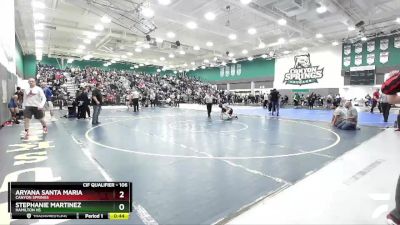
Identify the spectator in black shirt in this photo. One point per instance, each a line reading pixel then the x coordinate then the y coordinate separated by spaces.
pixel 275 96
pixel 97 101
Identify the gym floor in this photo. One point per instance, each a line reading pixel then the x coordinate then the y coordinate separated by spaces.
pixel 185 167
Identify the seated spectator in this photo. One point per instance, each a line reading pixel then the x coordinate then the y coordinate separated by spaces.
pixel 339 115
pixel 13 107
pixel 351 118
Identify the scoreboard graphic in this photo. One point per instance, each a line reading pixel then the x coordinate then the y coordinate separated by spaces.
pixel 70 200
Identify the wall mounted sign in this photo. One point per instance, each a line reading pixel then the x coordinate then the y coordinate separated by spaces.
pixel 303 71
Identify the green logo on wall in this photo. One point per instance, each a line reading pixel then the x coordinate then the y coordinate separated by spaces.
pixel 232 70
pixel 303 72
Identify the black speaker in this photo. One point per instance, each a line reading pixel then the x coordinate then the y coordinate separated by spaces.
pixel 148 38
pixel 178 43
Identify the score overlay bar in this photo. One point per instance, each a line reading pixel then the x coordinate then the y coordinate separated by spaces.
pixel 69 200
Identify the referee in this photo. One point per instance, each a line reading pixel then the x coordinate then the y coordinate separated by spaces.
pixel 34 101
pixel 209 102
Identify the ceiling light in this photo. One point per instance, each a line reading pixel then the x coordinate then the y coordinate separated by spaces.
pixel 38 4
pixel 182 52
pixel 215 59
pixel 38 26
pixel 234 61
pixel 78 50
pixel 87 41
pixel 245 2
pixel 351 28
pixel 252 31
pixel 70 60
pixel 209 16
pixel 185 64
pixel 138 50
pixel 129 53
pixel 209 44
pixel 271 53
pixel 91 35
pixel 147 12
pixel 158 70
pixel 398 19
pixel 147 45
pixel 244 52
pixel 304 49
pixel 223 63
pixel 123 56
pixel 281 40
pixel 319 35
pixel 38 16
pixel 192 63
pixel 159 40
pixel 203 67
pixel 282 22
pixel 321 9
pixel 171 34
pixel 264 56
pixel 232 36
pixel 87 57
pixel 335 43
pixel 105 64
pixel 261 45
pixel 196 48
pixel 141 64
pixel 105 19
pixel 364 38
pixel 250 58
pixel 81 47
pixel 206 61
pixel 171 55
pixel 164 2
pixel 286 52
pixel 193 69
pixel 162 59
pixel 99 27
pixel 39 42
pixel 136 66
pixel 231 54
pixel 191 25
pixel 38 34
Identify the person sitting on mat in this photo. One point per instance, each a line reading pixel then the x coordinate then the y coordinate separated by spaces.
pixel 339 115
pixel 351 118
pixel 228 111
pixel 14 110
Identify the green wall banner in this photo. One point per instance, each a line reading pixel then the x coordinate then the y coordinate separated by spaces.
pixel 381 52
pixel 258 68
pixel 29 66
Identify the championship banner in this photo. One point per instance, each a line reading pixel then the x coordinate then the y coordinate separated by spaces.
pixel 397 42
pixel 347 49
pixel 239 69
pixel 233 70
pixel 222 71
pixel 371 58
pixel 384 57
pixel 358 48
pixel 227 71
pixel 370 46
pixel 346 61
pixel 358 60
pixel 384 44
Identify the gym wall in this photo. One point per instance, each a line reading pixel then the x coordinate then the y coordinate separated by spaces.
pixel 8 78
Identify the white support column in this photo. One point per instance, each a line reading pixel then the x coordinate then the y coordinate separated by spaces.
pixel 228 86
pixel 252 84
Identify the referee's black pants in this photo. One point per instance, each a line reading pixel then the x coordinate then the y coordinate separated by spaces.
pixel 209 107
pixel 385 110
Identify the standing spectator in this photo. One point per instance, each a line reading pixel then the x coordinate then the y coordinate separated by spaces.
pixel 20 95
pixel 49 99
pixel 275 96
pixel 209 102
pixel 135 100
pixel 375 99
pixel 34 101
pixel 152 99
pixel 385 106
pixel 97 101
